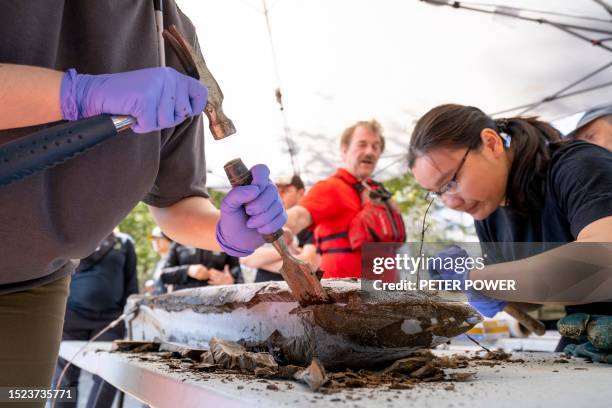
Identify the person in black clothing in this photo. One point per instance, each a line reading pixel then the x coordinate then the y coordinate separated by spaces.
pixel 98 293
pixel 266 259
pixel 188 267
pixel 522 184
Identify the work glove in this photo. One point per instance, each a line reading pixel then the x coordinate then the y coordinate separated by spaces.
pixel 485 305
pixel 249 211
pixel 594 332
pixel 157 98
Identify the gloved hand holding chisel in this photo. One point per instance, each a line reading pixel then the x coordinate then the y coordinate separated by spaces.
pixel 249 211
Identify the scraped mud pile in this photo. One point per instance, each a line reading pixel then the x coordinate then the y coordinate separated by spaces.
pixel 235 361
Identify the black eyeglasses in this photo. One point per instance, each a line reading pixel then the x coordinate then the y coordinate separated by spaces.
pixel 452 187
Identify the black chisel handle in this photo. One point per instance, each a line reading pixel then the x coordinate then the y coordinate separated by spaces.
pixel 239 175
pixel 52 146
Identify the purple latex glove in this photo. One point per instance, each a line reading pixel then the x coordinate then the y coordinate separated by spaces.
pixel 158 98
pixel 249 211
pixel 485 305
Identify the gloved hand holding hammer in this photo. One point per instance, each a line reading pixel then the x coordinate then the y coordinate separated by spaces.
pixel 158 98
pixel 161 98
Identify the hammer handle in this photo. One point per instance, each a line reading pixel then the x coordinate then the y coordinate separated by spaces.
pixel 52 146
pixel 533 325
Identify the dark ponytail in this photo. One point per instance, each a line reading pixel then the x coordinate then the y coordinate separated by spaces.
pixel 457 126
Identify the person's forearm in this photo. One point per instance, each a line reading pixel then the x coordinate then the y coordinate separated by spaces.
pixel 261 257
pixel 29 95
pixel 575 273
pixel 310 256
pixel 274 267
pixel 298 218
pixel 191 221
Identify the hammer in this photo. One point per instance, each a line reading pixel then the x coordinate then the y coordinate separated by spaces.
pixel 531 324
pixel 49 147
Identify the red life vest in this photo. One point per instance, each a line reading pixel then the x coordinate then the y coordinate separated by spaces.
pixel 379 220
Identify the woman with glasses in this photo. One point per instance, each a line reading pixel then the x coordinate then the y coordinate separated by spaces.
pixel 522 184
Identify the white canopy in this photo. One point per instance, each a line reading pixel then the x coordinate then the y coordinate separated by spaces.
pixel 339 61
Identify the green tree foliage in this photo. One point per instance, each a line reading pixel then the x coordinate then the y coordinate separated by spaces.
pixel 216 197
pixel 412 200
pixel 139 224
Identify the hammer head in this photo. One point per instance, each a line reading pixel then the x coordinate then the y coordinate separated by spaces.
pixel 220 125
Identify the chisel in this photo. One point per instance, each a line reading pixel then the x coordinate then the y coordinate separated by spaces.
pixel 300 277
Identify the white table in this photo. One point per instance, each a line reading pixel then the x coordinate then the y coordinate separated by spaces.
pixel 539 382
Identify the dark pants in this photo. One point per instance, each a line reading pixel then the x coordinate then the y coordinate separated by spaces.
pixel 78 327
pixel 30 331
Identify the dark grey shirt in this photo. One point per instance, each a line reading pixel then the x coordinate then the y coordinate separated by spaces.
pixel 59 215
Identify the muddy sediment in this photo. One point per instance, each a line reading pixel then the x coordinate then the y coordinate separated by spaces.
pixel 359 329
pixel 421 367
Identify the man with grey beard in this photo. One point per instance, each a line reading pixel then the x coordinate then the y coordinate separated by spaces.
pixel 331 206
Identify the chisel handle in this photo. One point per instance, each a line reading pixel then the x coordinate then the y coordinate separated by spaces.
pixel 239 175
pixel 51 146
